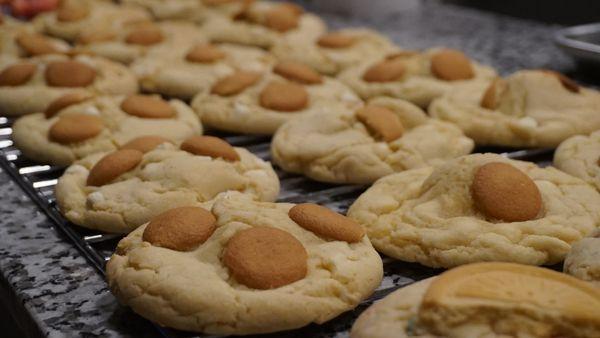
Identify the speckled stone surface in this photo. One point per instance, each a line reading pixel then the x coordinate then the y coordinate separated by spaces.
pixel 60 291
pixel 55 292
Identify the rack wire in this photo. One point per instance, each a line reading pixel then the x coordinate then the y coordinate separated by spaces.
pixel 38 181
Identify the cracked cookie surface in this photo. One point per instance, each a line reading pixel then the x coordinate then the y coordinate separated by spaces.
pixel 336 147
pixel 195 290
pixel 165 178
pixel 583 261
pixel 31 133
pixel 428 216
pixel 579 156
pixel 530 108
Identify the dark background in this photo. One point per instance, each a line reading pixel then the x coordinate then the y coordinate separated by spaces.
pixel 567 12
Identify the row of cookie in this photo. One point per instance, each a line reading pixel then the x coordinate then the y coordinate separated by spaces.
pixel 418 77
pixel 248 267
pixel 257 107
pixel 103 124
pixel 173 44
pixel 473 208
pixel 125 33
pixel 411 78
pixel 132 186
pixel 255 110
pixel 80 129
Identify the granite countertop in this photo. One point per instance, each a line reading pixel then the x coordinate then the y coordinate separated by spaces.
pixel 53 291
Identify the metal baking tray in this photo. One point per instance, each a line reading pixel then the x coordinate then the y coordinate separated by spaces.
pixel 38 181
pixel 582 42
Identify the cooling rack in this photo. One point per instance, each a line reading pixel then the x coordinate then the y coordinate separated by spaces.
pixel 38 181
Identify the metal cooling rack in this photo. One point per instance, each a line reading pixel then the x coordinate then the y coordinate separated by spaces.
pixel 38 181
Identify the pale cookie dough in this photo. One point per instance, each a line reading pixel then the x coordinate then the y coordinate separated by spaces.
pixel 579 156
pixel 194 10
pixel 496 300
pixel 428 215
pixel 95 16
pixel 338 148
pixel 583 261
pixel 417 84
pixel 35 94
pixel 22 40
pixel 195 290
pixel 167 177
pixel 243 113
pixel 251 27
pixel 30 133
pixel 117 46
pixel 327 58
pixel 167 71
pixel 533 109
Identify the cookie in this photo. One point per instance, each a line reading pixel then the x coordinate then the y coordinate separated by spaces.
pixel 530 108
pixel 124 196
pixel 129 43
pixel 446 215
pixel 360 146
pixel 194 10
pixel 263 24
pixel 486 300
pixel 30 85
pixel 579 156
pixel 258 103
pixel 418 77
pixel 259 272
pixel 21 40
pixel 81 125
pixel 186 69
pixel 332 52
pixel 75 17
pixel 583 261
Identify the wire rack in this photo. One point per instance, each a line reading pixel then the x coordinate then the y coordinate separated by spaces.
pixel 38 181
